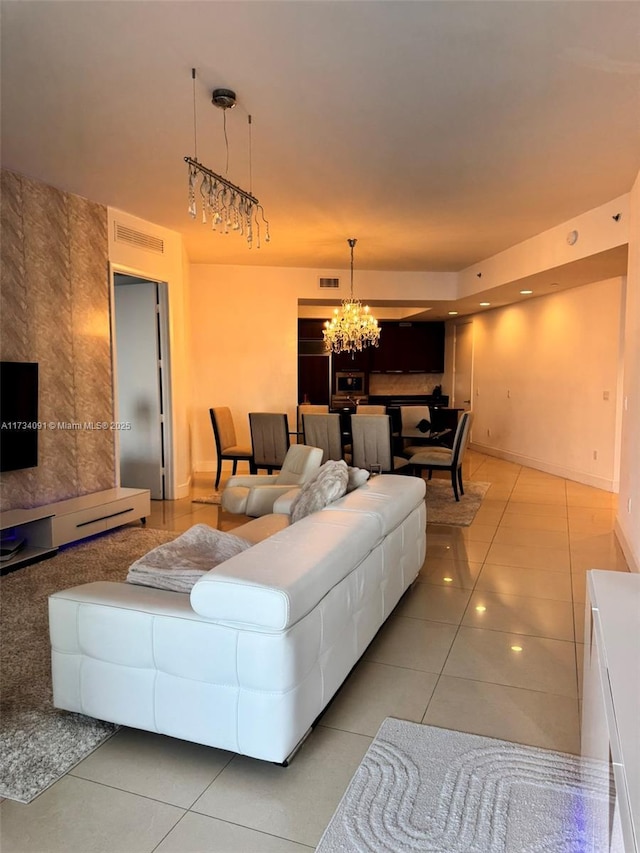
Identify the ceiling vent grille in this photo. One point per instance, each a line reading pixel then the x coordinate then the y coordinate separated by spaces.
pixel 124 234
pixel 329 283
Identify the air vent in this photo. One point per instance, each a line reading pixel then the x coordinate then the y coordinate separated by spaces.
pixel 329 283
pixel 124 234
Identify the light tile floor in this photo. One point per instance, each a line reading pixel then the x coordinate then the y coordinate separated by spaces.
pixel 489 640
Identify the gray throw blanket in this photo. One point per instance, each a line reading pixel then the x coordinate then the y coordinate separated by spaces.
pixel 177 565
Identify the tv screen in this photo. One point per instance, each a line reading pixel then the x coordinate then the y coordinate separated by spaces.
pixel 18 415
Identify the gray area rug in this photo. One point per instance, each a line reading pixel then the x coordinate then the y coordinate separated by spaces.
pixel 442 507
pixel 421 788
pixel 38 743
pixel 208 499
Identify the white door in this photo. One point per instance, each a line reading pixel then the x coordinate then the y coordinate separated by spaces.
pixel 463 366
pixel 139 386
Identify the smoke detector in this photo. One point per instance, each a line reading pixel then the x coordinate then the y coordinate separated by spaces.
pixel 223 98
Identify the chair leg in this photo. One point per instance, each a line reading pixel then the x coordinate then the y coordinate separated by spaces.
pixel 454 483
pixel 219 472
pixel 460 481
pixel 430 473
pixel 235 467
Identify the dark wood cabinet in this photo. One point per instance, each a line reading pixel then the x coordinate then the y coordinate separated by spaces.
pixel 409 348
pixel 345 361
pixel 314 379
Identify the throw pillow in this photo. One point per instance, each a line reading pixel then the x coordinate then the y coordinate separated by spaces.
pixel 329 484
pixel 179 564
pixel 357 477
pixel 424 425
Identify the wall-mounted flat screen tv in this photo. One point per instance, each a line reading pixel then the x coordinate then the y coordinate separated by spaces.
pixel 18 415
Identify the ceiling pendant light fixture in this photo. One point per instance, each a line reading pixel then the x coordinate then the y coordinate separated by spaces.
pixel 352 328
pixel 227 206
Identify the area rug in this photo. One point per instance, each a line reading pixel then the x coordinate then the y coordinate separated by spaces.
pixel 208 499
pixel 442 507
pixel 421 788
pixel 38 743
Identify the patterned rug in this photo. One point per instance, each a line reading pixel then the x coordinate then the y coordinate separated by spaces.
pixel 208 499
pixel 421 788
pixel 442 507
pixel 38 743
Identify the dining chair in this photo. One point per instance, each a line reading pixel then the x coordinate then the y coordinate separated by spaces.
pixel 269 439
pixel 323 430
pixel 371 442
pixel 366 409
pixel 445 458
pixel 415 426
pixel 227 446
pixel 309 409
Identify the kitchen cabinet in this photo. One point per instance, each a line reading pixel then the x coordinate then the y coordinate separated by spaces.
pixel 407 347
pixel 360 361
pixel 314 364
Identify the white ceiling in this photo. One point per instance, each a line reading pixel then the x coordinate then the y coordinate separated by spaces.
pixel 437 133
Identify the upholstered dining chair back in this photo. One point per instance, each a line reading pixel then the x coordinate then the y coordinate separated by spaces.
pixel 461 438
pixel 323 431
pixel 366 409
pixel 310 409
pixel 410 417
pixel 371 443
pixel 227 447
pixel 269 439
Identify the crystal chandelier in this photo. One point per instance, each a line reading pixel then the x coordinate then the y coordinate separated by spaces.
pixel 352 328
pixel 227 206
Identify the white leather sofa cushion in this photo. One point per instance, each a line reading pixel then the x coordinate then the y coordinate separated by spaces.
pixel 287 574
pixel 373 498
pixel 261 528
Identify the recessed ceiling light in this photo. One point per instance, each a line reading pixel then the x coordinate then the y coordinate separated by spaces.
pixel 516 648
pixel 485 304
pixel 481 608
pixel 452 313
pixel 526 292
pixel 448 580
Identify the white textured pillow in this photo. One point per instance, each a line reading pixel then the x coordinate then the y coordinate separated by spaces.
pixel 329 484
pixel 357 477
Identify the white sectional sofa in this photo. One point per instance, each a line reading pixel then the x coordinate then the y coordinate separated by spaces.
pixel 253 655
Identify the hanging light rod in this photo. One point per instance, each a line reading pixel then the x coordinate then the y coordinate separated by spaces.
pixel 224 203
pixel 216 177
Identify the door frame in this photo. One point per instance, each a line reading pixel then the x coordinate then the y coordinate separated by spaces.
pixel 164 371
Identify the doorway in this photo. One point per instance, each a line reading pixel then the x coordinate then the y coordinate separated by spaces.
pixel 463 366
pixel 142 385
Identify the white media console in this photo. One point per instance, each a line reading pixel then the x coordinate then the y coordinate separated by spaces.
pixel 45 528
pixel 611 702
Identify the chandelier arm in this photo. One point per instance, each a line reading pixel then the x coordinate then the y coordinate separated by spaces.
pixel 216 177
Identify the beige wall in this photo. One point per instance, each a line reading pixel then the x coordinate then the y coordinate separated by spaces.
pixel 597 231
pixel 628 520
pixel 55 311
pixel 541 371
pixel 244 345
pixel 170 265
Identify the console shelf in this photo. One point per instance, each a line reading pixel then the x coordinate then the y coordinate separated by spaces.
pixel 46 528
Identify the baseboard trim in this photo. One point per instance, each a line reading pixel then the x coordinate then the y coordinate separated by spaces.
pixel 632 562
pixel 549 468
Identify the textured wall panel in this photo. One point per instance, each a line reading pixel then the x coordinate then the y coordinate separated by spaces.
pixel 47 268
pixel 91 343
pixel 55 303
pixel 13 286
